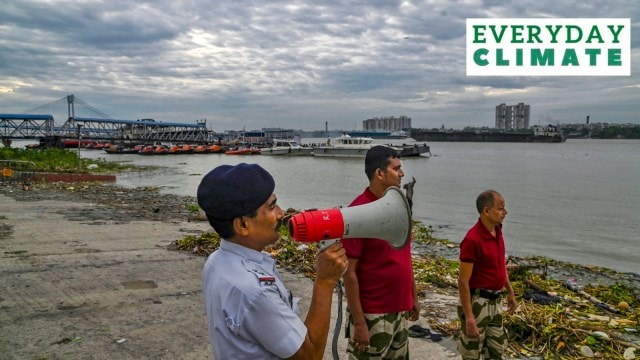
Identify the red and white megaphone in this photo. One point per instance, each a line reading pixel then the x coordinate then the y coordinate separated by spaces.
pixel 388 219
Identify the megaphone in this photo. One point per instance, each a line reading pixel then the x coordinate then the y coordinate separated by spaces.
pixel 388 219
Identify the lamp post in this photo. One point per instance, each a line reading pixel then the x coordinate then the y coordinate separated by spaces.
pixel 79 138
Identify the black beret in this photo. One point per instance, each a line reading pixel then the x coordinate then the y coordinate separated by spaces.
pixel 228 192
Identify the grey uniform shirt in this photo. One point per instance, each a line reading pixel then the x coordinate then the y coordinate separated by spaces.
pixel 251 314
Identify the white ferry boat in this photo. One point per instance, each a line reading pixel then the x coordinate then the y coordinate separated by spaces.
pixel 344 146
pixel 286 147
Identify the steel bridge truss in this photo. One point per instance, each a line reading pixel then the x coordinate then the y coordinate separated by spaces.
pixel 26 126
pixel 134 130
pixel 30 126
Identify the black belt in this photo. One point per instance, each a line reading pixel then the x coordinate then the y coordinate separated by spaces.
pixel 486 294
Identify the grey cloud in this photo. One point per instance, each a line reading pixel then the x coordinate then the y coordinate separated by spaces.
pixel 287 63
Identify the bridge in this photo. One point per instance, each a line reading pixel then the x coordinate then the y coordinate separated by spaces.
pixel 42 126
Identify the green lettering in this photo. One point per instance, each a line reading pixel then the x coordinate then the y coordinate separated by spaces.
pixel 516 34
pixel 534 32
pixel 554 34
pixel 570 58
pixel 593 54
pixel 500 60
pixel 571 40
pixel 518 57
pixel 594 33
pixel 478 57
pixel 614 57
pixel 615 33
pixel 542 58
pixel 497 37
pixel 478 34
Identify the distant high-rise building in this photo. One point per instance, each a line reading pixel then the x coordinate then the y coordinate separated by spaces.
pixel 512 116
pixel 387 123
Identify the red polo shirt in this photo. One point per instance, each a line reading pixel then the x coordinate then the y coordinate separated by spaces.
pixel 385 276
pixel 487 254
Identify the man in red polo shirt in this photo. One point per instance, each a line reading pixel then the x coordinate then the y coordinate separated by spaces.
pixel 379 284
pixel 483 276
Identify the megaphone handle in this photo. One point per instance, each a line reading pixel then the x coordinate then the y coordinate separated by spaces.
pixel 323 244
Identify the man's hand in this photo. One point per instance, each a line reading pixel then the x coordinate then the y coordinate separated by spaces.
pixel 471 329
pixel 415 311
pixel 361 337
pixel 513 305
pixel 332 262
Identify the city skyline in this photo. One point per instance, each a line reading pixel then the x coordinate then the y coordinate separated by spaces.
pixel 291 64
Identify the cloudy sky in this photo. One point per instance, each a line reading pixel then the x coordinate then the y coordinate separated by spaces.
pixel 290 63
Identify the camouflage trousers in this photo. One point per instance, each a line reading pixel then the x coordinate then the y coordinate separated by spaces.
pixel 388 337
pixel 492 341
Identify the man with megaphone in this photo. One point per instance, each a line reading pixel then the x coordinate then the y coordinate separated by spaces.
pixel 251 314
pixel 379 282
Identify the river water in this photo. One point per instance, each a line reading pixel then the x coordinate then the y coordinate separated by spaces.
pixel 577 201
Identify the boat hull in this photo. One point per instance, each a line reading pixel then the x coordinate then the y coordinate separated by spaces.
pixel 489 136
pixel 116 149
pixel 410 150
pixel 239 152
pixel 287 151
pixel 339 152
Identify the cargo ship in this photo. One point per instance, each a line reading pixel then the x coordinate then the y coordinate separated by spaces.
pixel 540 134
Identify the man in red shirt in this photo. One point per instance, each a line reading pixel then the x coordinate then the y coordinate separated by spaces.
pixel 379 282
pixel 483 276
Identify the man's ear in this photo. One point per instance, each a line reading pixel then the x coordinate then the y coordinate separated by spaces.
pixel 240 226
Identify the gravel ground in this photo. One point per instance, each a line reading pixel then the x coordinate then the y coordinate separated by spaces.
pixel 120 294
pixel 116 203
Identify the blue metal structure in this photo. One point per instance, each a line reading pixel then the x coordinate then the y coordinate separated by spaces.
pixel 135 130
pixel 35 126
pixel 39 126
pixel 26 126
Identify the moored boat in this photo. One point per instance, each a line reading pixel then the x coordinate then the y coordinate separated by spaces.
pixel 215 149
pixel 174 149
pixel 238 151
pixel 409 150
pixel 73 143
pixel 119 149
pixel 547 133
pixel 381 134
pixel 160 150
pixel 285 147
pixel 344 146
pixel 147 150
pixel 186 149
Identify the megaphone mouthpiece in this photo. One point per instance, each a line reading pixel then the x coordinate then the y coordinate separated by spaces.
pixel 316 225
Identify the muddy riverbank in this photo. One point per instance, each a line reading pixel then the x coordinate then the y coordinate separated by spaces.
pixel 88 273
